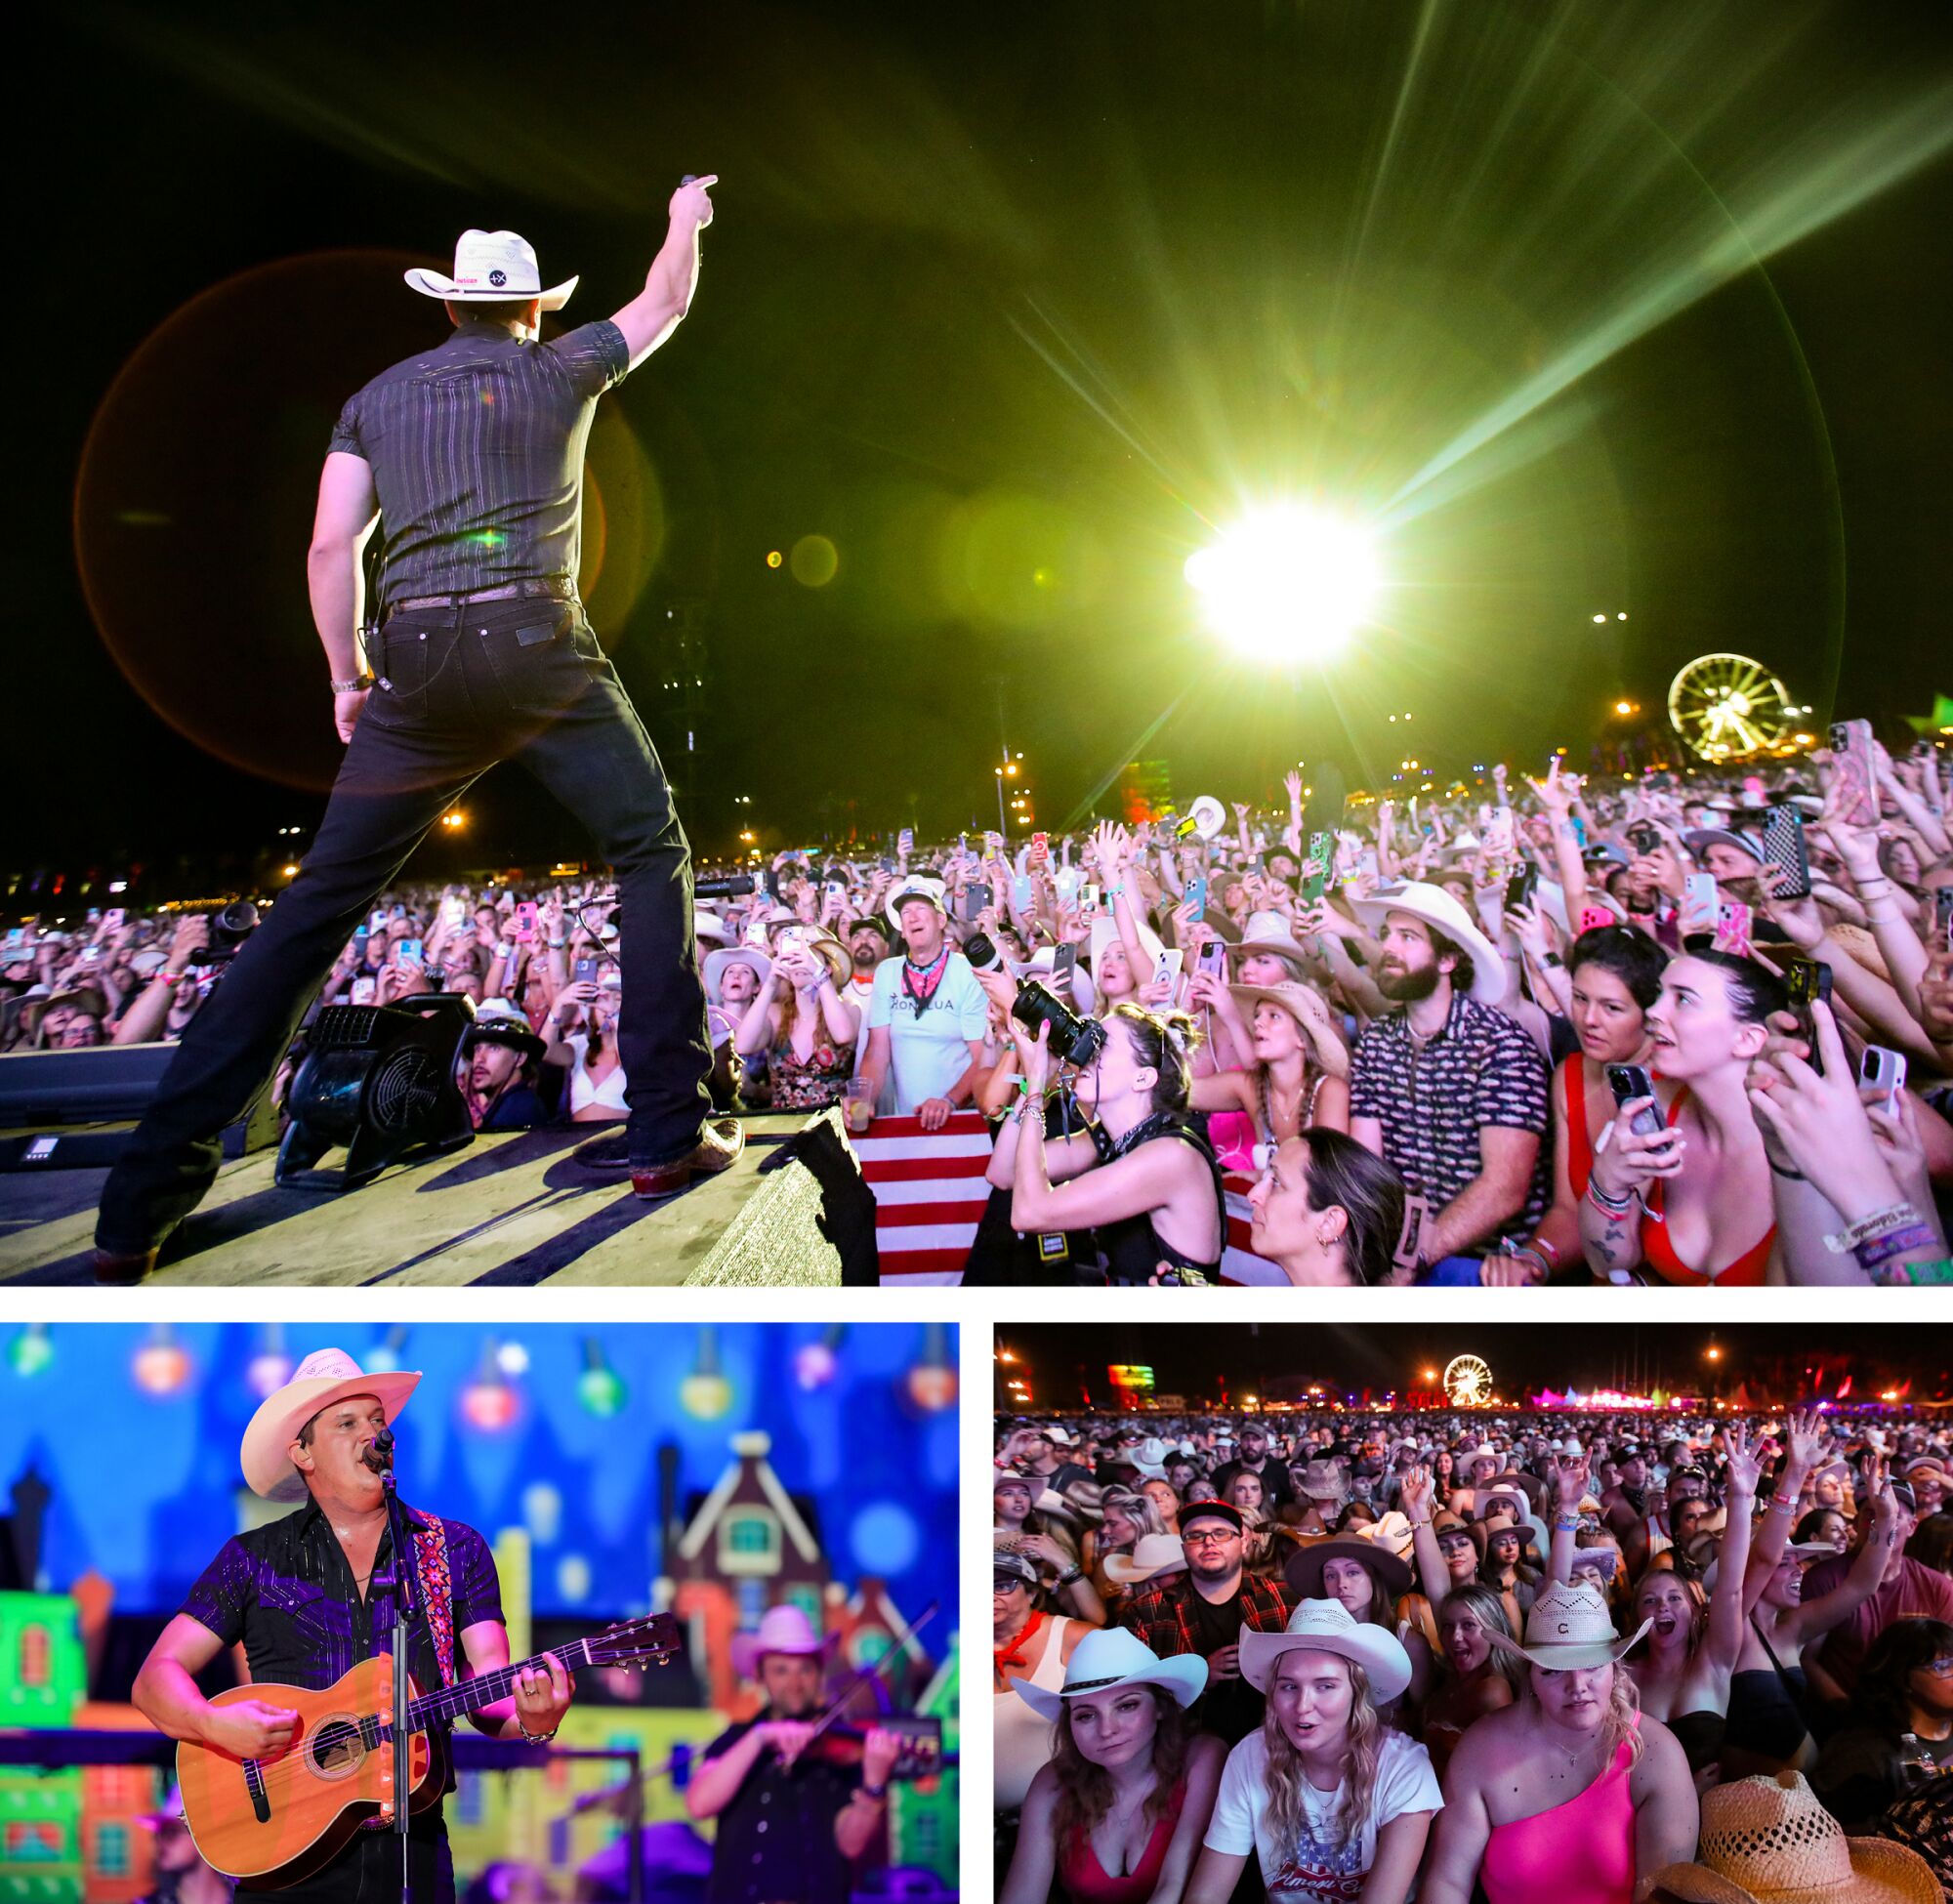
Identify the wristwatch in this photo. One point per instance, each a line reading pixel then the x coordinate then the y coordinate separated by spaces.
pixel 355 686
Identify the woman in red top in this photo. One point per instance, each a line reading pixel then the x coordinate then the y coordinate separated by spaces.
pixel 1689 1202
pixel 1120 1810
pixel 1614 973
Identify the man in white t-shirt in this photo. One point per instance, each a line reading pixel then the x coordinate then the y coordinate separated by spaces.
pixel 926 1014
pixel 1303 1671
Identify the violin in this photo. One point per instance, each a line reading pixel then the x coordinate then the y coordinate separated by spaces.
pixel 845 1746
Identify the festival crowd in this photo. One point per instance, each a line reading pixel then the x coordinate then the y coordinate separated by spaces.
pixel 1684 1029
pixel 1532 1659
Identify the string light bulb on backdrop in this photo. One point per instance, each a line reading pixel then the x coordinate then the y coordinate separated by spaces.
pixel 705 1394
pixel 931 1383
pixel 270 1368
pixel 31 1351
pixel 490 1402
pixel 161 1366
pixel 600 1389
pixel 389 1355
pixel 817 1363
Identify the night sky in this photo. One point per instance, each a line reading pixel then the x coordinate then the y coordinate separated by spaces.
pixel 1009 305
pixel 1279 1361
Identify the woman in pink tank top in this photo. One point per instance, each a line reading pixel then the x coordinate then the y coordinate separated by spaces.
pixel 1570 1794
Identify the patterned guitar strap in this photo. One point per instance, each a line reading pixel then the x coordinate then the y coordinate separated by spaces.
pixel 437 1592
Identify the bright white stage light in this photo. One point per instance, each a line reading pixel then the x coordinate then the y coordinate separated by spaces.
pixel 1288 584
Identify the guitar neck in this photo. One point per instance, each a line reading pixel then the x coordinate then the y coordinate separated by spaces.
pixel 470 1695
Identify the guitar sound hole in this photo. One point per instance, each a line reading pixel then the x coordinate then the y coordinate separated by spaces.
pixel 335 1748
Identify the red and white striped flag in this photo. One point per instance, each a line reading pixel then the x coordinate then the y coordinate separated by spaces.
pixel 930 1194
pixel 1239 1265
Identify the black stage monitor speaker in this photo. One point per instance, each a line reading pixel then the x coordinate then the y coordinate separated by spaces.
pixel 102 1083
pixel 379 1079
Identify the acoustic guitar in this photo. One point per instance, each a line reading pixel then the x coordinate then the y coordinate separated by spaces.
pixel 272 1822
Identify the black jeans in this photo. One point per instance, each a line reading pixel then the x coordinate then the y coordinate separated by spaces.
pixel 460 689
pixel 368 1871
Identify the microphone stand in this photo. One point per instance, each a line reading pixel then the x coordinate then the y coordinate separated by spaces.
pixel 401 1587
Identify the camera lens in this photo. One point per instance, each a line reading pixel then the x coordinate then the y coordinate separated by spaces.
pixel 1076 1039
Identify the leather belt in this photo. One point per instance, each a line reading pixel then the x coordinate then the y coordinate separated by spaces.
pixel 558 588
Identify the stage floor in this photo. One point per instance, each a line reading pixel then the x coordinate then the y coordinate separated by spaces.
pixel 511 1210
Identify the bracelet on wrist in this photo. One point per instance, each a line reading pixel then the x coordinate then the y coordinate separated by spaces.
pixel 359 685
pixel 1914 1236
pixel 1778 1170
pixel 1914 1275
pixel 534 1738
pixel 1608 1206
pixel 1881 1223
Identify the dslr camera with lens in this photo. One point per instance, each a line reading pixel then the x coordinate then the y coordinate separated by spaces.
pixel 1073 1039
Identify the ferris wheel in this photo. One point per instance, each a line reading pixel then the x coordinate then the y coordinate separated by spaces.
pixel 1727 707
pixel 1467 1381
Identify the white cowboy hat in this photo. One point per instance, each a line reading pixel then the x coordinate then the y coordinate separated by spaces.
pixel 1112 1656
pixel 1152 1555
pixel 1392 1532
pixel 1150 1458
pixel 709 927
pixel 323 1378
pixel 1768 1840
pixel 491 268
pixel 1208 816
pixel 781 1630
pixel 1328 1626
pixel 1105 930
pixel 735 955
pixel 1568 1629
pixel 1437 907
pixel 918 885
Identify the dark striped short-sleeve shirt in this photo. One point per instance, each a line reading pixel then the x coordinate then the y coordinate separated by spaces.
pixel 477 452
pixel 1433 1101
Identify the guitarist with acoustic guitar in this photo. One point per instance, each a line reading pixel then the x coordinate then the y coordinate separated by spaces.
pixel 267 1772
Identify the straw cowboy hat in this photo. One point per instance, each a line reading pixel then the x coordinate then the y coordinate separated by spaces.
pixel 1326 1481
pixel 1437 907
pixel 1152 1555
pixel 1568 1629
pixel 491 268
pixel 1290 998
pixel 781 1630
pixel 829 950
pixel 1110 1656
pixel 1268 932
pixel 1393 1533
pixel 1327 1627
pixel 1767 1840
pixel 326 1377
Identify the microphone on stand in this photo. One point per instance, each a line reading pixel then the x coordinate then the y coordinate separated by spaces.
pixel 378 1454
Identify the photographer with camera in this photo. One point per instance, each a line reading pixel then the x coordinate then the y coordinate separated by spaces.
pixel 1140 1175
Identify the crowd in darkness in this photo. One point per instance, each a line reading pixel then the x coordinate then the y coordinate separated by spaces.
pixel 1594 1658
pixel 1680 1027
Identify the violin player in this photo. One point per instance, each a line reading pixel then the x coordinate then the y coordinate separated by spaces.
pixel 789 1827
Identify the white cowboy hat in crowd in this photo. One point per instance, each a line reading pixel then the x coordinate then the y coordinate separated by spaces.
pixel 491 268
pixel 709 927
pixel 781 1630
pixel 1150 1458
pixel 1768 1840
pixel 323 1378
pixel 1392 1532
pixel 735 955
pixel 918 885
pixel 1152 1555
pixel 1112 1656
pixel 1328 1626
pixel 1437 907
pixel 1568 1629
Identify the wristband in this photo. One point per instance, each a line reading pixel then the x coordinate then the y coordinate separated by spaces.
pixel 1893 1243
pixel 1568 1526
pixel 557 944
pixel 1915 1275
pixel 1544 1249
pixel 356 685
pixel 1606 1205
pixel 1795 1175
pixel 874 1794
pixel 1879 1223
pixel 1779 1505
pixel 1067 1579
pixel 534 1738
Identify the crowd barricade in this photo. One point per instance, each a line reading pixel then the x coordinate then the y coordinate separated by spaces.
pixel 930 1194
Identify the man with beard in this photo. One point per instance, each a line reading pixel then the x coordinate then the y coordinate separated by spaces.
pixel 788 1830
pixel 1204 1610
pixel 1253 1458
pixel 1445 1087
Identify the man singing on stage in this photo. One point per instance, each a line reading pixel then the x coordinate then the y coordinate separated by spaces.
pixel 299 1594
pixel 470 458
pixel 788 1825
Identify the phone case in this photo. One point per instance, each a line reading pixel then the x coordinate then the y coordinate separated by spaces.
pixel 1783 847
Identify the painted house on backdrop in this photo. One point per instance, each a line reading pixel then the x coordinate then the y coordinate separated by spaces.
pixel 746 1545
